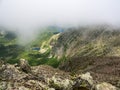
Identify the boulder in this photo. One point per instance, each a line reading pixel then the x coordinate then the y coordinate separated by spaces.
pixel 25 66
pixel 105 86
pixel 83 82
pixel 13 77
pixel 60 84
pixel 88 78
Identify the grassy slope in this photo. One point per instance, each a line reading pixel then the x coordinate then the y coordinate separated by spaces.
pixel 11 52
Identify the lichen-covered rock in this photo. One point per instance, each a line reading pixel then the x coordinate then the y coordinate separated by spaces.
pixel 2 65
pixel 88 78
pixel 83 81
pixel 22 88
pixel 44 77
pixel 10 72
pixel 60 84
pixel 105 86
pixel 3 85
pixel 35 85
pixel 50 89
pixel 25 66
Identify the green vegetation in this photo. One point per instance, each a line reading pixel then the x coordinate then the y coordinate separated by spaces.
pixel 56 48
pixel 11 52
pixel 35 57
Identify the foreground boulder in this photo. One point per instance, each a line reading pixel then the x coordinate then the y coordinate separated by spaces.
pixel 43 77
pixel 105 86
pixel 25 66
pixel 61 84
pixel 83 82
pixel 76 83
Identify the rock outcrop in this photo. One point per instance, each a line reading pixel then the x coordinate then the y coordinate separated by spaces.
pixel 44 77
pixel 105 86
pixel 25 66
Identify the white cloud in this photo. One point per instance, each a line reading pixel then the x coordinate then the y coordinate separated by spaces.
pixel 27 14
pixel 38 12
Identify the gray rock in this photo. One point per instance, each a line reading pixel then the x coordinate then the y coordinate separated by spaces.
pixel 25 66
pixel 105 86
pixel 60 84
pixel 83 82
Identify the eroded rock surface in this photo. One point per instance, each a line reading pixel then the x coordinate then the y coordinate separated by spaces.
pixel 43 77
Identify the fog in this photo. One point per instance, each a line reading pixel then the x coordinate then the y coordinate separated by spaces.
pixel 28 15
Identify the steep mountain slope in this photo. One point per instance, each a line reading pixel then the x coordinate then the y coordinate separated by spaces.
pixel 88 41
pixel 53 46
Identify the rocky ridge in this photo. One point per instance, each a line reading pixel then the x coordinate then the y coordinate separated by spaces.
pixel 22 76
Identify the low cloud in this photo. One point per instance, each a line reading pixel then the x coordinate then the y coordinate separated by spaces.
pixel 28 15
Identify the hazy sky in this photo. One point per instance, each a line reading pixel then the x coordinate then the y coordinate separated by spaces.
pixel 43 12
pixel 28 14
